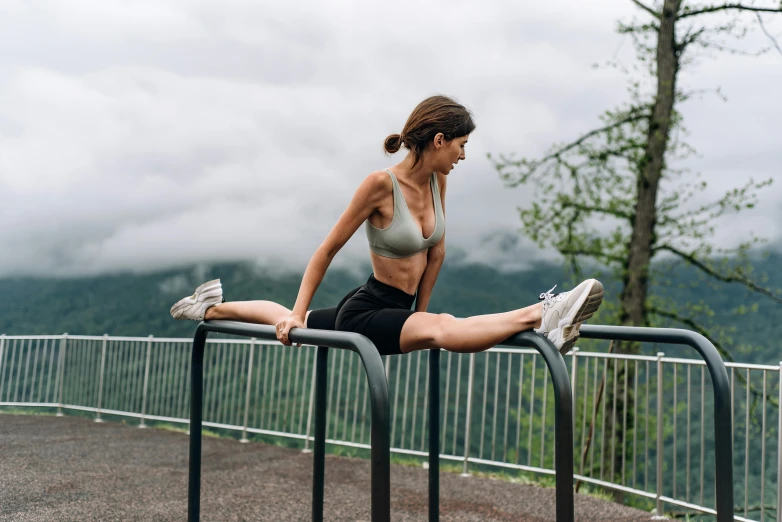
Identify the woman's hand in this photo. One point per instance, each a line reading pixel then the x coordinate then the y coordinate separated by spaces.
pixel 284 327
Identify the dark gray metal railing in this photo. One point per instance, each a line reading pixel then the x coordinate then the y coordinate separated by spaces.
pixel 723 424
pixel 563 424
pixel 378 391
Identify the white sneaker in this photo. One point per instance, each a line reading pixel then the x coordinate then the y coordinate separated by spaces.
pixel 193 307
pixel 563 313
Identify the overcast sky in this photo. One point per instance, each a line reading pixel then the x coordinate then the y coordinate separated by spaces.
pixel 148 134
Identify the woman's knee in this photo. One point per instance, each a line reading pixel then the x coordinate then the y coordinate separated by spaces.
pixel 441 329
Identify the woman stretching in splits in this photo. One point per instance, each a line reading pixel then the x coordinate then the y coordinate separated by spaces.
pixel 404 211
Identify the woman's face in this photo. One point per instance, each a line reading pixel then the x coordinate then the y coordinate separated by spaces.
pixel 448 153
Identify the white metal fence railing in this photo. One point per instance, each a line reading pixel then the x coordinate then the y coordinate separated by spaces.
pixel 622 406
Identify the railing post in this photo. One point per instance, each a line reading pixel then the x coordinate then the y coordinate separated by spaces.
pixel 468 416
pixel 658 511
pixel 574 382
pixel 319 465
pixel 146 382
pixel 2 346
pixel 434 435
pixel 779 450
pixel 100 380
pixel 61 372
pixel 247 396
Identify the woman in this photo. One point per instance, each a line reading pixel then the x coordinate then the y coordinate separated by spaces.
pixel 404 211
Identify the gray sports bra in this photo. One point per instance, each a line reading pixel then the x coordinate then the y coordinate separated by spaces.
pixel 402 238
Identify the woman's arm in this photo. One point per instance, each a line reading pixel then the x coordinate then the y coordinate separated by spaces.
pixel 434 260
pixel 366 199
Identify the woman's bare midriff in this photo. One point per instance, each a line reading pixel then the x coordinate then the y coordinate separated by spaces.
pixel 404 274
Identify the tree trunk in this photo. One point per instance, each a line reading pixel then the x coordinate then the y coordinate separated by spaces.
pixel 636 276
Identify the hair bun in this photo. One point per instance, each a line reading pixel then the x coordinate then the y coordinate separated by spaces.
pixel 393 143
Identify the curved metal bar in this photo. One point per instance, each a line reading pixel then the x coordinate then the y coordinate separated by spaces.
pixel 378 390
pixel 563 418
pixel 723 426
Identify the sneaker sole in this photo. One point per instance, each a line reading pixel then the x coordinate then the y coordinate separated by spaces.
pixel 587 310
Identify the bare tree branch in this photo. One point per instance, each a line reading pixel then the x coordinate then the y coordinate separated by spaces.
pixel 721 277
pixel 763 28
pixel 647 9
pixel 634 116
pixel 726 7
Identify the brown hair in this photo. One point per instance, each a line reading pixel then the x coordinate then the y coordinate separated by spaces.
pixel 433 115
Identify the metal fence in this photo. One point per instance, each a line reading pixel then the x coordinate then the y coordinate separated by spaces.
pixel 622 406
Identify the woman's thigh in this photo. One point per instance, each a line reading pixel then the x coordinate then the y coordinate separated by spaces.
pixel 423 331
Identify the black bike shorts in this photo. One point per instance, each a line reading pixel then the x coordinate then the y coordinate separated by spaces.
pixel 376 310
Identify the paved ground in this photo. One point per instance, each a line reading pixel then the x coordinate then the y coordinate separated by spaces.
pixel 70 469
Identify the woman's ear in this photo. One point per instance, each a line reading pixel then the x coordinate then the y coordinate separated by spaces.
pixel 439 140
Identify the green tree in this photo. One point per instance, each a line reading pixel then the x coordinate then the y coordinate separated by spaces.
pixel 623 174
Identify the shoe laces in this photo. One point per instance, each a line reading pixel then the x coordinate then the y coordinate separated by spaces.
pixel 549 298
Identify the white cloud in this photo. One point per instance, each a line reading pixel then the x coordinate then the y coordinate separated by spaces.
pixel 148 134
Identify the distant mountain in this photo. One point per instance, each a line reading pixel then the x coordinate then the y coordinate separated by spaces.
pixel 138 304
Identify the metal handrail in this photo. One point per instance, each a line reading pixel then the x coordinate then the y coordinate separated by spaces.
pixel 723 424
pixel 378 390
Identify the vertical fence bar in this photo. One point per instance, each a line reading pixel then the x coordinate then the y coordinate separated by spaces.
pixel 2 375
pixel 659 485
pixel 309 408
pixel 434 435
pixel 61 373
pixel 779 448
pixel 574 382
pixel 100 379
pixel 247 392
pixel 746 448
pixel 468 419
pixel 146 383
pixel 763 455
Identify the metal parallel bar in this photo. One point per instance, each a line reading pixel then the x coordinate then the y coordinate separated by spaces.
pixel 434 434
pixel 456 409
pixel 468 416
pixel 719 376
pixel 321 418
pixel 378 387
